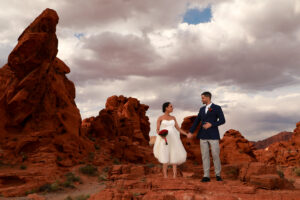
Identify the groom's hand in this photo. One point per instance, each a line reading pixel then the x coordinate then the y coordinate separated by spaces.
pixel 207 125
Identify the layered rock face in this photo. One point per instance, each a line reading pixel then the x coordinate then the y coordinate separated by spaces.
pixel 280 137
pixel 40 122
pixel 122 128
pixel 192 145
pixel 283 153
pixel 235 148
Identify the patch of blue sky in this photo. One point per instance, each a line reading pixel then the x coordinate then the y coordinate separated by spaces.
pixel 79 35
pixel 196 16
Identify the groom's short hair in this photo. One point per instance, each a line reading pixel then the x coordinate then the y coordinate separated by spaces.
pixel 207 94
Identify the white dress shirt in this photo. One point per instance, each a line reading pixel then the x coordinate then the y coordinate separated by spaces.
pixel 207 107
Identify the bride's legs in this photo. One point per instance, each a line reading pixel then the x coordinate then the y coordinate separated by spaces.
pixel 174 171
pixel 165 166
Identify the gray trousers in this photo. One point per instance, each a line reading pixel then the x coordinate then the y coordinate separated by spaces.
pixel 215 150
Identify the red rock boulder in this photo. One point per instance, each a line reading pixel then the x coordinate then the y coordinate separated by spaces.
pixel 192 146
pixel 285 153
pixel 122 128
pixel 235 148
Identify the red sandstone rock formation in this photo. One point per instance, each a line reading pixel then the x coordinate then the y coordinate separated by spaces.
pixel 40 124
pixel 280 137
pixel 235 148
pixel 192 145
pixel 122 128
pixel 283 153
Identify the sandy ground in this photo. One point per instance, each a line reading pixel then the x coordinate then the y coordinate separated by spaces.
pixel 90 186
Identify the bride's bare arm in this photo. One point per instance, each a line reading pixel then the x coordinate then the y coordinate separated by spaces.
pixel 158 125
pixel 179 129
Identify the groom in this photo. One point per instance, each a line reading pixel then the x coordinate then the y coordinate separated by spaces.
pixel 211 116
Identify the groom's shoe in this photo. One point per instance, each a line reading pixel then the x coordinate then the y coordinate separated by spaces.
pixel 205 179
pixel 219 178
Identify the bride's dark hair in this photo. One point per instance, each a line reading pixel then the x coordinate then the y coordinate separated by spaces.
pixel 165 105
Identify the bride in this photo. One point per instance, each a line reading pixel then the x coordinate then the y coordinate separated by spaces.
pixel 173 153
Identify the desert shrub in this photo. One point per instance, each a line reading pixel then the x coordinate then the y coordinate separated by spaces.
pixel 91 156
pixel 59 158
pixel 195 163
pixel 143 179
pixel 150 165
pixel 280 174
pixel 232 171
pixel 89 170
pixel 80 197
pixel 70 179
pixel 50 187
pixel 116 161
pixel 31 191
pixel 102 177
pixel 136 194
pixel 297 171
pixel 97 146
pixel 106 169
pixel 23 167
pixel 24 156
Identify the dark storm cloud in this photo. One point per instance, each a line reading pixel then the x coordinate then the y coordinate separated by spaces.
pixel 263 65
pixel 115 56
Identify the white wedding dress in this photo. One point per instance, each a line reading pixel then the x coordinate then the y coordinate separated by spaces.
pixel 174 152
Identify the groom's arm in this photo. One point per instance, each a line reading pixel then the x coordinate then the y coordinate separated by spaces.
pixel 196 122
pixel 220 116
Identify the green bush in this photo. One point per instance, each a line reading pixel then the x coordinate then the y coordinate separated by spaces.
pixel 70 179
pixel 24 156
pixel 195 163
pixel 136 194
pixel 50 187
pixel 297 171
pixel 59 158
pixel 97 146
pixel 143 179
pixel 106 169
pixel 116 161
pixel 150 165
pixel 23 167
pixel 280 173
pixel 102 177
pixel 91 156
pixel 232 171
pixel 89 170
pixel 30 191
pixel 80 197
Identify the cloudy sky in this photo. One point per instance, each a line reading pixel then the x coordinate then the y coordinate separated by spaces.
pixel 247 53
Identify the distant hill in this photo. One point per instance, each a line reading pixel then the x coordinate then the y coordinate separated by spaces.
pixel 282 136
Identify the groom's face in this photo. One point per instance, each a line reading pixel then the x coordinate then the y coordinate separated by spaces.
pixel 205 99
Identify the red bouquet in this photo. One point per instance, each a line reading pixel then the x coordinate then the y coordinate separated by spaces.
pixel 163 133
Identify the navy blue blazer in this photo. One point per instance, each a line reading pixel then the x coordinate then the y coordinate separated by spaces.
pixel 214 116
